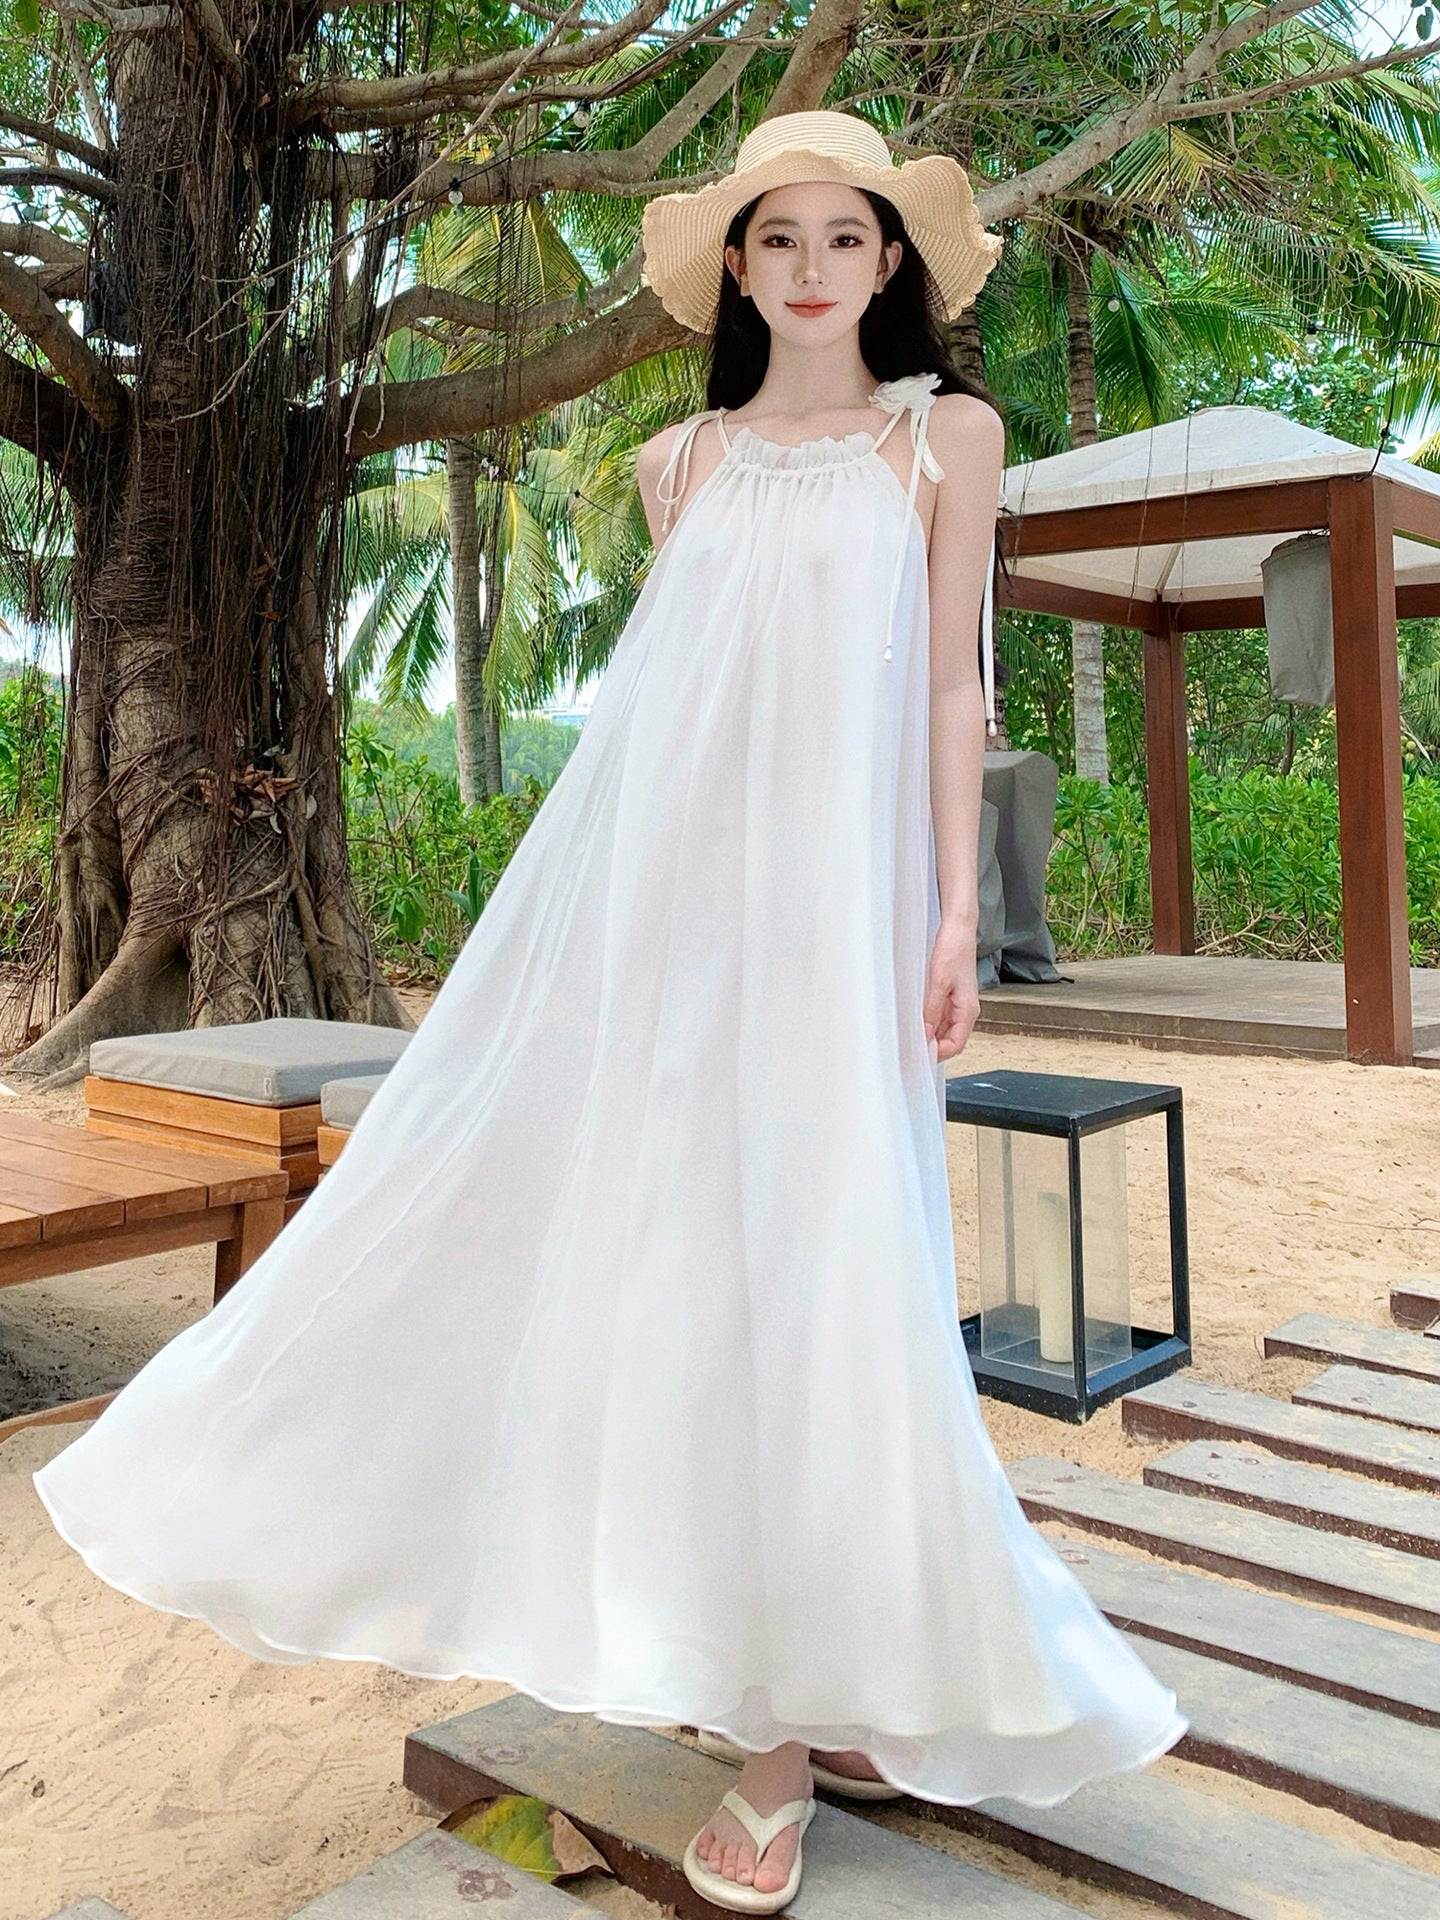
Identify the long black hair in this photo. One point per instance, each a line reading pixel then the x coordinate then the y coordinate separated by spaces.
pixel 899 330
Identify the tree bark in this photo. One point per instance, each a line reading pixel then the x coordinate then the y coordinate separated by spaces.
pixel 201 866
pixel 1087 637
pixel 462 475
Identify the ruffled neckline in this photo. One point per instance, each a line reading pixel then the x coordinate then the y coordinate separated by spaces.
pixel 891 396
pixel 826 451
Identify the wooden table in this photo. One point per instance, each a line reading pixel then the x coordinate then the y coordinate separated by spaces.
pixel 69 1199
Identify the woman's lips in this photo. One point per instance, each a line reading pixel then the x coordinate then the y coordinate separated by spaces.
pixel 811 306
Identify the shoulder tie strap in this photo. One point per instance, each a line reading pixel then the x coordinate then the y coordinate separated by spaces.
pixel 925 461
pixel 670 488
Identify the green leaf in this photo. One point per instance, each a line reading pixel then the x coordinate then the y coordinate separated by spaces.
pixel 27 16
pixel 514 1827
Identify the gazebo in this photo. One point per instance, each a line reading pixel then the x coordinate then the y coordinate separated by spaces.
pixel 1164 532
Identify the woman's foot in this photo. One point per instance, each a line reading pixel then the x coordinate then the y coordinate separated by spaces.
pixel 767 1781
pixel 854 1766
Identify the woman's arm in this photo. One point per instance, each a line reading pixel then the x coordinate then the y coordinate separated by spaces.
pixel 969 441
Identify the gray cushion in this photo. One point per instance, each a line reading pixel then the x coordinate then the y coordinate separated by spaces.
pixel 266 1063
pixel 343 1101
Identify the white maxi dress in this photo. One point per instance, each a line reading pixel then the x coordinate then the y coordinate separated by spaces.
pixel 618 1356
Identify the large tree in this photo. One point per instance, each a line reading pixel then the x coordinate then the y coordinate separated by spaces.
pixel 230 187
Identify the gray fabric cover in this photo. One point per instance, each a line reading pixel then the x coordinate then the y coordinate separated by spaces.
pixel 1299 629
pixel 991 937
pixel 1022 787
pixel 266 1063
pixel 343 1101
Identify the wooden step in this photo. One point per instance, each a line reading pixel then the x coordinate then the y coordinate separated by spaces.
pixel 1319 1336
pixel 1383 1773
pixel 1311 1496
pixel 1248 1546
pixel 436 1876
pixel 1375 1396
pixel 639 1798
pixel 1416 1302
pixel 1192 1853
pixel 1190 1409
pixel 1376 1667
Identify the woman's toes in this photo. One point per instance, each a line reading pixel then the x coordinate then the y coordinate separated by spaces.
pixel 770 1875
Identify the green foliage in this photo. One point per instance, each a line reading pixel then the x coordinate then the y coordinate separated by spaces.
pixel 1267 868
pixel 411 839
pixel 31 731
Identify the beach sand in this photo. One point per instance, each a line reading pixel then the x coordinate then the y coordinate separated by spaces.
pixel 144 1759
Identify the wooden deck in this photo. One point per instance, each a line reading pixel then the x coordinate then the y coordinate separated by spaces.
pixel 1204 1003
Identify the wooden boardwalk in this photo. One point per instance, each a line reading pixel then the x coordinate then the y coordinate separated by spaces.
pixel 1205 1002
pixel 1278 1543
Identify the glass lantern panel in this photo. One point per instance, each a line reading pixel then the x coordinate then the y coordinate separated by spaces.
pixel 1025 1291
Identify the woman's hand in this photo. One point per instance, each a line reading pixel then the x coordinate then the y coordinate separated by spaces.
pixel 952 997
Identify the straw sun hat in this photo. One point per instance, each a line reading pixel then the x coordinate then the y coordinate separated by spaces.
pixel 684 233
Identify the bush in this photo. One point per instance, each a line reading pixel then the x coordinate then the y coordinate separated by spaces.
pixel 1267 868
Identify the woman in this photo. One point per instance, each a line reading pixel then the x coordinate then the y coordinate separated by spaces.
pixel 618 1356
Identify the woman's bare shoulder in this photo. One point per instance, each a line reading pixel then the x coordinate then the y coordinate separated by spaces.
pixel 652 454
pixel 967 426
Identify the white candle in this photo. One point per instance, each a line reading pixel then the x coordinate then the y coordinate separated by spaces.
pixel 1052 1275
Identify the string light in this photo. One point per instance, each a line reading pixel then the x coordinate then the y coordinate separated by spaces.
pixel 456 195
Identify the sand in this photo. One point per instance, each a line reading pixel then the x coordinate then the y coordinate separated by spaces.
pixel 144 1759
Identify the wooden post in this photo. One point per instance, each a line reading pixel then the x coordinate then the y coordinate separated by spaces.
pixel 1375 905
pixel 257 1222
pixel 1167 783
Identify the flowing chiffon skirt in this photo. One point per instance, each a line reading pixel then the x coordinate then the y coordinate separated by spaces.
pixel 618 1355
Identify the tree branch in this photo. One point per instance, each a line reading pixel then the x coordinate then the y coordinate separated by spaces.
pixel 1300 82
pixel 617 171
pixel 511 97
pixel 1011 199
pixel 118 19
pixel 489 316
pixel 445 85
pixel 35 412
pixel 85 82
pixel 24 303
pixel 65 178
pixel 827 37
pixel 399 414
pixel 44 134
pixel 63 270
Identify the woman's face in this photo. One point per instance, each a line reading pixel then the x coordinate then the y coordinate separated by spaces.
pixel 813 257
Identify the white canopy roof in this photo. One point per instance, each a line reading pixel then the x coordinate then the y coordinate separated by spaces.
pixel 1215 448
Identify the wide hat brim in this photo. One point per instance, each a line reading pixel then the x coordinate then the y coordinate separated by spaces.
pixel 683 233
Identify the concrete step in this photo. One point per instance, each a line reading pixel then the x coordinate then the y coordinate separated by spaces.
pixel 1373 1666
pixel 1416 1302
pixel 639 1798
pixel 1375 1396
pixel 1311 1496
pixel 1190 1409
pixel 91 1909
pixel 1381 1772
pixel 1247 1546
pixel 436 1876
pixel 1320 1336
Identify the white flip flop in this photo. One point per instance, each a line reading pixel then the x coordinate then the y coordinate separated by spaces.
pixel 762 1829
pixel 719 1748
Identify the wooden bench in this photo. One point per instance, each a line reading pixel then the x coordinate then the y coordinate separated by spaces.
pixel 70 1200
pixel 249 1091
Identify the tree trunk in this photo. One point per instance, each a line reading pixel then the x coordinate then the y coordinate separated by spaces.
pixel 462 468
pixel 1087 637
pixel 201 866
pixel 477 725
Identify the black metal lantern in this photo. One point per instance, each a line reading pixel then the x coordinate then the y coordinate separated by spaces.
pixel 1055 1240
